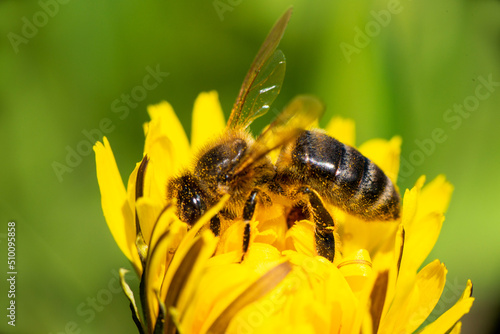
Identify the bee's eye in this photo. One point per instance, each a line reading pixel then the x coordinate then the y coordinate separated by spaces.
pixel 191 208
pixel 190 198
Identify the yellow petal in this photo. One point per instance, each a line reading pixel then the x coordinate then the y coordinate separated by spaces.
pixel 164 241
pixel 163 150
pixel 151 182
pixel 450 317
pixel 261 257
pixel 272 226
pixel 178 283
pixel 278 324
pixel 359 234
pixel 342 129
pixel 208 119
pixel 301 310
pixel 320 295
pixel 379 289
pixel 301 238
pixel 366 326
pixel 164 123
pixel 197 270
pixel 356 268
pixel 385 154
pixel 393 267
pixel 148 211
pixel 435 196
pixel 415 300
pixel 267 237
pixel 231 239
pixel 212 297
pixel 343 300
pixel 378 299
pixel 130 296
pixel 265 284
pixel 131 189
pixel 422 219
pixel 154 201
pixel 457 328
pixel 410 203
pixel 114 202
pixel 419 241
pixel 161 167
pixel 210 306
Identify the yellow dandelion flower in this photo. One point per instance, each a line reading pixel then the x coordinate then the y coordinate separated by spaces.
pixel 236 244
pixel 374 286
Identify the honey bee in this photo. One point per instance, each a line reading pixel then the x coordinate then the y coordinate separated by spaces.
pixel 312 167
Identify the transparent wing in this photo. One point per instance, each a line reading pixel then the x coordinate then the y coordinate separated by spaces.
pixel 297 116
pixel 263 92
pixel 263 81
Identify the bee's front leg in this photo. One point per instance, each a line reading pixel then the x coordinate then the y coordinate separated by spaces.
pixel 248 213
pixel 324 225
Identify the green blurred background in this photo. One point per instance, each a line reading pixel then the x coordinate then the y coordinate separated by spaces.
pixel 63 75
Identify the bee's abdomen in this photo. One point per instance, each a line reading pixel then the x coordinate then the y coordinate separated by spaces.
pixel 344 177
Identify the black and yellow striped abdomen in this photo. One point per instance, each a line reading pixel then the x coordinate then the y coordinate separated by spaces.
pixel 340 174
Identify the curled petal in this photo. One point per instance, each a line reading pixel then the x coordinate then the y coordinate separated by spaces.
pixel 130 296
pixel 356 268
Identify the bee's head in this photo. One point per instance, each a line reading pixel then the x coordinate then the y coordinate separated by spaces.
pixel 190 198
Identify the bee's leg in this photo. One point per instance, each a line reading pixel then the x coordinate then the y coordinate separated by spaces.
pixel 248 212
pixel 215 225
pixel 323 231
